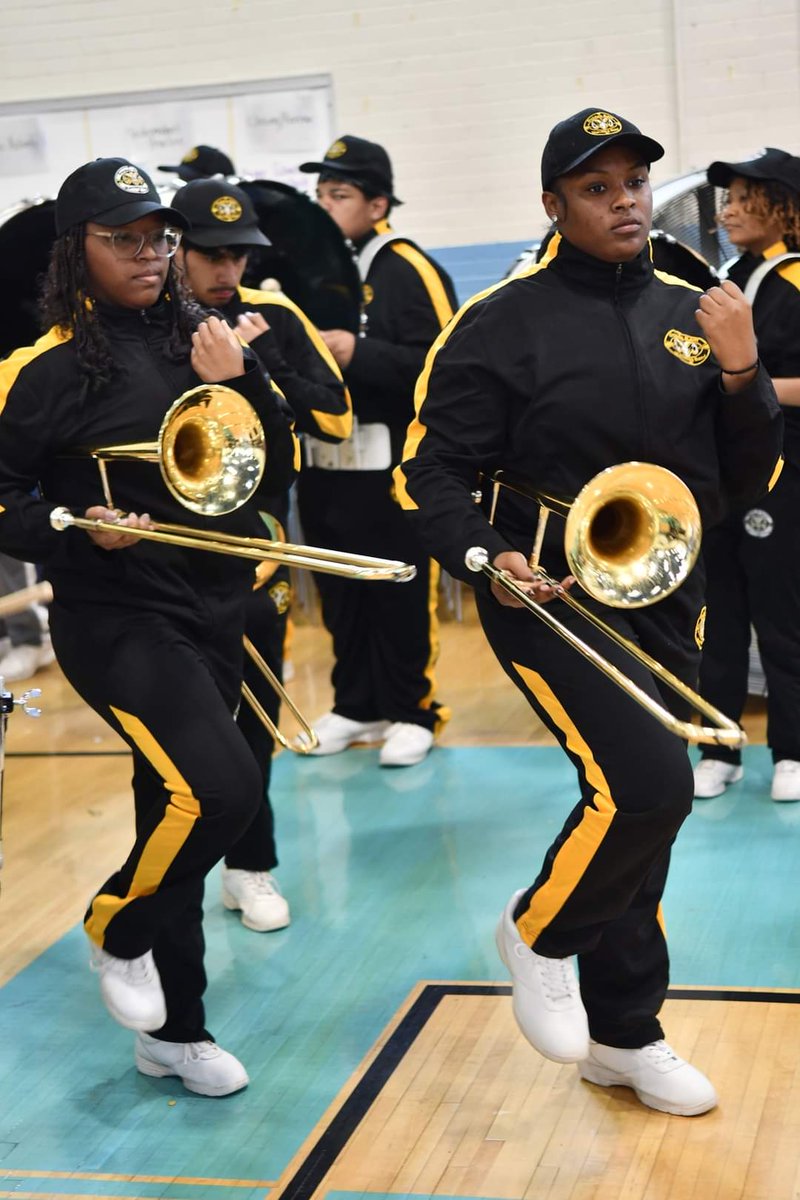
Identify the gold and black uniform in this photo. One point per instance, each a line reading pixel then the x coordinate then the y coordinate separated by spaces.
pixel 305 371
pixel 150 636
pixel 385 639
pixel 752 558
pixel 573 367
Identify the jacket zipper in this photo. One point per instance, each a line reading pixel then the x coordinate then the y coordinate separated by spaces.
pixel 640 408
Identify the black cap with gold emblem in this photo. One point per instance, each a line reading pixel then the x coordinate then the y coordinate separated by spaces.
pixel 578 137
pixel 220 214
pixel 354 159
pixel 111 191
pixel 201 162
pixel 771 165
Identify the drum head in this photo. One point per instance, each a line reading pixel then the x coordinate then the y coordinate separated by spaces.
pixel 308 257
pixel 27 233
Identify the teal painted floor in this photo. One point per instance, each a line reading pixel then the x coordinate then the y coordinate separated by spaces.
pixel 393 877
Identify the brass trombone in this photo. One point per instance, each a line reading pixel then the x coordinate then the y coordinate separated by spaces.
pixel 212 453
pixel 632 536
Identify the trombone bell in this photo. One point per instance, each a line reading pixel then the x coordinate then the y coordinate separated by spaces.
pixel 211 450
pixel 632 535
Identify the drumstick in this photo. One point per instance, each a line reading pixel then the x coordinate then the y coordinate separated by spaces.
pixel 14 602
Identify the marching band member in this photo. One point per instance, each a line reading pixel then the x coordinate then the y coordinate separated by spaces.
pixel 761 216
pixel 385 640
pixel 149 635
pixel 212 258
pixel 587 360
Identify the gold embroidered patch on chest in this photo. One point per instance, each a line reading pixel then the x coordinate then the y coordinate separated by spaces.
pixel 688 347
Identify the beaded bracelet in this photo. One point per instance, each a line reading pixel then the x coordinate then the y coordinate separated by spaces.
pixel 743 371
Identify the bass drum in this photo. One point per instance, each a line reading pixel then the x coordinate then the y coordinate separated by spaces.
pixel 27 231
pixel 308 258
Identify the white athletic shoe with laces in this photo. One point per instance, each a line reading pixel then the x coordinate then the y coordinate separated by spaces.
pixel 546 1000
pixel 257 895
pixel 336 733
pixel 712 776
pixel 786 780
pixel 131 989
pixel 202 1067
pixel 657 1075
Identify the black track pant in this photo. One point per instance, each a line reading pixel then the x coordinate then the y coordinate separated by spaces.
pixel 385 635
pixel 169 688
pixel 598 892
pixel 753 567
pixel 265 625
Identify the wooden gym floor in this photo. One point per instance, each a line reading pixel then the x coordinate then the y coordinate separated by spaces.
pixel 377 1028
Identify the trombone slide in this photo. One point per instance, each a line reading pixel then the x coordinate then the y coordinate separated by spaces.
pixel 723 731
pixel 312 558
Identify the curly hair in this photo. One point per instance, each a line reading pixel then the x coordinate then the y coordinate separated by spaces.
pixel 771 201
pixel 66 303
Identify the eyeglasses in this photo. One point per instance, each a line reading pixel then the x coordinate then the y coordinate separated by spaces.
pixel 125 243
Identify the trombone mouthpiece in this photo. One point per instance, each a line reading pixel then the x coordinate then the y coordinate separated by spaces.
pixel 476 558
pixel 60 519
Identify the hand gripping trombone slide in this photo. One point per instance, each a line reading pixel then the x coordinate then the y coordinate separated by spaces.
pixel 212 452
pixel 632 536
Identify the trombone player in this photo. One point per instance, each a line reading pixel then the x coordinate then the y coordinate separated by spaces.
pixel 590 359
pixel 149 635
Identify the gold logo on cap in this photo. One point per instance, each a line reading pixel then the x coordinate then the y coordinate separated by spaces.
pixel 226 208
pixel 336 150
pixel 129 180
pixel 191 155
pixel 688 347
pixel 602 124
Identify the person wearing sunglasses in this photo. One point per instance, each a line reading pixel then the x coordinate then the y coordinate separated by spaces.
pixel 149 635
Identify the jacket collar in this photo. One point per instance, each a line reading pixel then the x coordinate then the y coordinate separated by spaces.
pixel 589 272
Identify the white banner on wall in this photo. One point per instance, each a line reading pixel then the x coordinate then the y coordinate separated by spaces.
pixel 267 127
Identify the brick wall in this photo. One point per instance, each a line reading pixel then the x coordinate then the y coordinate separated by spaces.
pixel 462 93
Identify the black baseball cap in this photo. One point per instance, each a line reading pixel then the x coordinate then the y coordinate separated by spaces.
pixel 200 162
pixel 771 164
pixel 366 164
pixel 219 214
pixel 578 137
pixel 111 191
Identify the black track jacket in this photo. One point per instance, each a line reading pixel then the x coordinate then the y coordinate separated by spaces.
pixel 47 421
pixel 300 363
pixel 575 366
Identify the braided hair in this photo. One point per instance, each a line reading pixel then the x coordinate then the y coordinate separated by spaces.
pixel 66 303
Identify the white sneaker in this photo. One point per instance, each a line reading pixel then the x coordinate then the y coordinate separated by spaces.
pixel 202 1067
pixel 657 1075
pixel 22 662
pixel 547 1000
pixel 405 745
pixel 258 897
pixel 786 780
pixel 131 989
pixel 336 733
pixel 712 776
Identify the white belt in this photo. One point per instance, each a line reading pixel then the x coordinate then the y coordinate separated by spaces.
pixel 369 448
